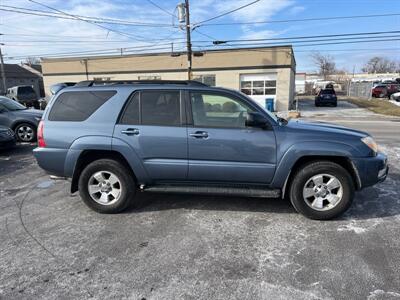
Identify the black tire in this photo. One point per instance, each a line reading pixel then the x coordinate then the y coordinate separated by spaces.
pixel 127 185
pixel 25 132
pixel 304 173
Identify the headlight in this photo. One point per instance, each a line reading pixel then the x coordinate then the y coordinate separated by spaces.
pixel 369 141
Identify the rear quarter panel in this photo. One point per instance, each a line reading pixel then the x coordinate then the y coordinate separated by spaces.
pixel 66 140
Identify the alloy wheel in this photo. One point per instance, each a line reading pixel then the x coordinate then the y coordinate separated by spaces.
pixel 104 187
pixel 323 192
pixel 25 133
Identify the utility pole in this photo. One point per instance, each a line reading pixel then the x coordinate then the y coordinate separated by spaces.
pixel 188 41
pixel 184 17
pixel 3 74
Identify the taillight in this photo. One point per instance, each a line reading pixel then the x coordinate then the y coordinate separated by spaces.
pixel 40 137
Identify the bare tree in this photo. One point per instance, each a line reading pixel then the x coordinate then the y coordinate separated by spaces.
pixel 325 64
pixel 32 61
pixel 380 64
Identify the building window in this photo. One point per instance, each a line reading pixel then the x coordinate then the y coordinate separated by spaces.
pixel 149 77
pixel 258 87
pixel 208 79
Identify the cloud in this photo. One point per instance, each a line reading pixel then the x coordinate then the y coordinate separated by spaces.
pixel 296 10
pixel 250 34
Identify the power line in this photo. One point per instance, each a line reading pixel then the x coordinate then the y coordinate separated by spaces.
pixel 203 34
pixel 226 13
pixel 38 12
pixel 321 40
pixel 91 51
pixel 302 20
pixel 159 7
pixel 310 36
pixel 87 21
pixel 306 45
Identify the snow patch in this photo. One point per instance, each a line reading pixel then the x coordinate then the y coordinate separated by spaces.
pixel 395 102
pixel 352 227
pixel 379 294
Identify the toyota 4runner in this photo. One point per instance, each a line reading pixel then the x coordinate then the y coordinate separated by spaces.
pixel 116 138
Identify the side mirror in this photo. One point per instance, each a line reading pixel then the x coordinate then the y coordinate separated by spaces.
pixel 255 119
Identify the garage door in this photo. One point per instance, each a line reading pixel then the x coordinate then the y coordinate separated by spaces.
pixel 260 87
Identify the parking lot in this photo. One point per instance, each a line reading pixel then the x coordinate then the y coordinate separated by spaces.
pixel 197 247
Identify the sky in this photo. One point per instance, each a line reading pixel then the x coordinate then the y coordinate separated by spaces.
pixel 27 35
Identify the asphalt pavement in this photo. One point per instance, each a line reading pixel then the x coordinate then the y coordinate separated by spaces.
pixel 196 247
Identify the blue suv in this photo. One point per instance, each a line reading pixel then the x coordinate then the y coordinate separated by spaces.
pixel 116 138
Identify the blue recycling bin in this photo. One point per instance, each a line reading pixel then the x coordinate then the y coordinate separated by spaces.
pixel 269 104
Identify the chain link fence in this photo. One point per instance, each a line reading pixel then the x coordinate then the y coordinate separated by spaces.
pixel 360 89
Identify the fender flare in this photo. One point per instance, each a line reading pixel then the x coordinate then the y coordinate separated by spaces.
pixel 299 150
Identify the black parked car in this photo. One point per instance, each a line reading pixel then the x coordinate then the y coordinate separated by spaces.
pixel 7 137
pixel 326 97
pixel 23 121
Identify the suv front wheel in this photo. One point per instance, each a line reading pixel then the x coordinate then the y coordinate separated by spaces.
pixel 321 190
pixel 107 186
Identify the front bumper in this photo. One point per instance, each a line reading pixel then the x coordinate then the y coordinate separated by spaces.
pixel 371 170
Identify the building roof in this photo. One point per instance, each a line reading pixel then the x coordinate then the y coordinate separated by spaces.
pixel 287 48
pixel 16 71
pixel 209 60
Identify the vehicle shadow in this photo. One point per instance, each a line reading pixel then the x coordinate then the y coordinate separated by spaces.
pixel 159 201
pixel 380 201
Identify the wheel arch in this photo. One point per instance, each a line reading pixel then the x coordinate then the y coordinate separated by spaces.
pixel 343 161
pixel 19 122
pixel 88 156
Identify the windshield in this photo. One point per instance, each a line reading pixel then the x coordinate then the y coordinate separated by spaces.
pixel 11 104
pixel 273 116
pixel 327 92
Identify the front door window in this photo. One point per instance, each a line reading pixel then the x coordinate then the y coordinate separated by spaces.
pixel 214 110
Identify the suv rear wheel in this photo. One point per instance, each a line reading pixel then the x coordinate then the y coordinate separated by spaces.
pixel 322 190
pixel 107 186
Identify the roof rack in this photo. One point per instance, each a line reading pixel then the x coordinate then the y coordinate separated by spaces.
pixel 88 83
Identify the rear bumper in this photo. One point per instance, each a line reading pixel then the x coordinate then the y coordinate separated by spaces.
pixel 51 160
pixel 326 101
pixel 371 170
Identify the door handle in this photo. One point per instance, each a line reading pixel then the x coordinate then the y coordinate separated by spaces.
pixel 130 131
pixel 199 134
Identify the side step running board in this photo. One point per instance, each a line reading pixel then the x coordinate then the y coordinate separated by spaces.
pixel 214 190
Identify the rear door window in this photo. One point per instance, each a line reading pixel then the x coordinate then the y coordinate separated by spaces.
pixel 157 108
pixel 131 114
pixel 78 106
pixel 160 108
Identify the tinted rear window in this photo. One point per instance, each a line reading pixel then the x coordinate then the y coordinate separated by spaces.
pixel 131 113
pixel 25 90
pixel 78 106
pixel 160 108
pixel 328 92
